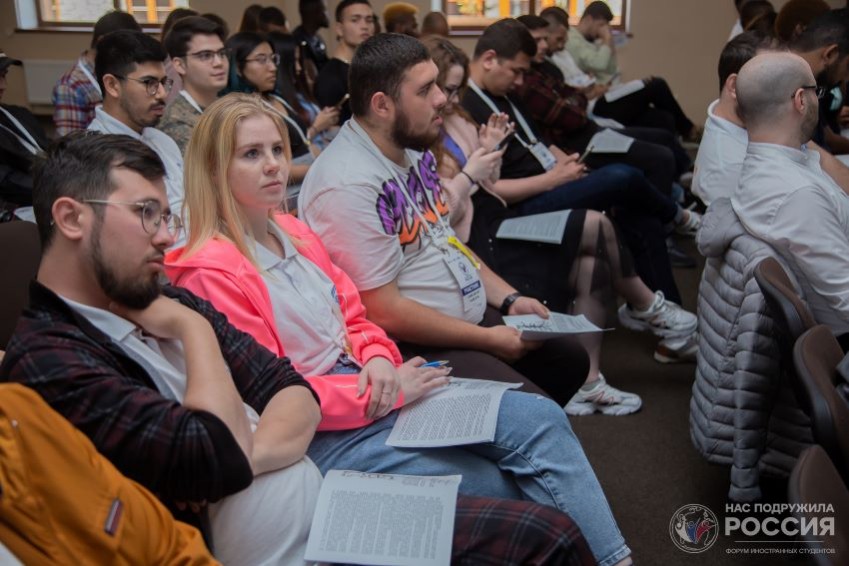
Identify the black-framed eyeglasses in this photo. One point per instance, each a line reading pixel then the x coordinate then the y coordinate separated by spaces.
pixel 818 90
pixel 207 55
pixel 151 84
pixel 151 215
pixel 264 59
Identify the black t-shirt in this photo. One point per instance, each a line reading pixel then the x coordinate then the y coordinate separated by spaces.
pixel 315 48
pixel 331 86
pixel 518 161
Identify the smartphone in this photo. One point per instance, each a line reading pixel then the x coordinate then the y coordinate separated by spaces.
pixel 343 101
pixel 503 143
pixel 585 154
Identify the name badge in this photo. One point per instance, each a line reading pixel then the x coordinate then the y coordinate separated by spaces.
pixel 543 155
pixel 467 278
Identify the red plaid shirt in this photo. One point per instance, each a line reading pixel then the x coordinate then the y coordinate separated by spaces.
pixel 558 109
pixel 74 99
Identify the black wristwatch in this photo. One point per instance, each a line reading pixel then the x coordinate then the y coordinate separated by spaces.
pixel 508 302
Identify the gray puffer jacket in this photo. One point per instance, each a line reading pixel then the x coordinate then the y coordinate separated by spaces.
pixel 742 412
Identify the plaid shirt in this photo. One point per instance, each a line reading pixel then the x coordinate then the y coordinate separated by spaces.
pixel 557 109
pixel 178 453
pixel 74 99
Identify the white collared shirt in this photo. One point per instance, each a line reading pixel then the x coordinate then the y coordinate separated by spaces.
pixel 720 158
pixel 165 148
pixel 302 298
pixel 786 199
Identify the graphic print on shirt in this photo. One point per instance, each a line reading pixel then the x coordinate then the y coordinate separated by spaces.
pixel 394 210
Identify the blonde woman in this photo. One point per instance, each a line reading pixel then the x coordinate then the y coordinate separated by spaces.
pixel 270 274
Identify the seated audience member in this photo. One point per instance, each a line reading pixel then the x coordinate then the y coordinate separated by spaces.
pixel 573 276
pixel 354 24
pixel 175 16
pixel 784 197
pixel 196 48
pixel 272 278
pixel 130 67
pixel 558 20
pixel 292 86
pixel 417 281
pixel 724 142
pixel 78 91
pixel 591 45
pixel 176 398
pixel 313 18
pixel 435 23
pixel 537 179
pixel 250 19
pixel 825 46
pixel 795 16
pixel 253 68
pixel 752 12
pixel 272 19
pixel 48 516
pixel 21 139
pixel 400 17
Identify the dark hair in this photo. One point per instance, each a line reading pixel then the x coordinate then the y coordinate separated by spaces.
pixel 557 15
pixel 289 84
pixel 754 9
pixel 225 29
pixel 175 16
pixel 79 165
pixel 177 41
pixel 796 13
pixel 306 5
pixel 379 65
pixel 271 15
pixel 113 21
pixel 598 10
pixel 533 22
pixel 250 18
pixel 345 4
pixel 763 25
pixel 737 53
pixel 241 45
pixel 119 52
pixel 829 29
pixel 507 38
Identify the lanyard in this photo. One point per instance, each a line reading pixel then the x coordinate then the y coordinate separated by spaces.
pixel 190 99
pixel 532 139
pixel 29 143
pixel 288 119
pixel 87 73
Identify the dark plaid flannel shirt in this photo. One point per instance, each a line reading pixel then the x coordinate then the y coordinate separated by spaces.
pixel 554 106
pixel 178 453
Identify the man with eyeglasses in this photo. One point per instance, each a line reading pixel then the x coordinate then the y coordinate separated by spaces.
pixel 130 68
pixel 784 197
pixel 196 47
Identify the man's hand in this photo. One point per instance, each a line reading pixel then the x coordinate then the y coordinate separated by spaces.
pixel 417 380
pixel 506 343
pixel 527 305
pixel 385 385
pixel 164 318
pixel 605 34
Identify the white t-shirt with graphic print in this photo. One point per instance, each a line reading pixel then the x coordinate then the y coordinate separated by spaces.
pixel 352 199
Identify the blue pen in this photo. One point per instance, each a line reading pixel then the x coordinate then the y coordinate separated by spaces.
pixel 436 364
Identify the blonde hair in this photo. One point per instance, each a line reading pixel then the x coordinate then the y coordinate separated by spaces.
pixel 212 210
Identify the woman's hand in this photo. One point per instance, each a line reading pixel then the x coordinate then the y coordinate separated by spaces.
pixel 327 118
pixel 385 385
pixel 483 164
pixel 496 129
pixel 417 380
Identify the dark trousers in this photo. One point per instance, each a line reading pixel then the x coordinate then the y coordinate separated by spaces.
pixel 654 160
pixel 645 237
pixel 556 369
pixel 653 106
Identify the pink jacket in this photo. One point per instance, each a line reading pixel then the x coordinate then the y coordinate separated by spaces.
pixel 219 273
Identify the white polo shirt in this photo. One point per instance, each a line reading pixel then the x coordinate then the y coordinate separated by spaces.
pixel 720 158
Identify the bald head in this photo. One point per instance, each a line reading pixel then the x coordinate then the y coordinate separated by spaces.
pixel 766 86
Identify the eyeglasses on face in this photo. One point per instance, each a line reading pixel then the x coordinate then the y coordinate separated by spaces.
pixel 818 90
pixel 151 215
pixel 265 59
pixel 151 84
pixel 207 55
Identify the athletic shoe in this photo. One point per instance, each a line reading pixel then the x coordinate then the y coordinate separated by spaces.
pixel 663 318
pixel 604 399
pixel 677 350
pixel 691 226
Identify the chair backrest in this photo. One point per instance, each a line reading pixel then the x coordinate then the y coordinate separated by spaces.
pixel 791 316
pixel 816 355
pixel 21 253
pixel 815 481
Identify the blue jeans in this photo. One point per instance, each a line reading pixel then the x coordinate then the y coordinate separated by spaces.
pixel 535 456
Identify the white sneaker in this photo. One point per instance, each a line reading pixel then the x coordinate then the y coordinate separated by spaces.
pixel 691 226
pixel 663 318
pixel 604 399
pixel 677 350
